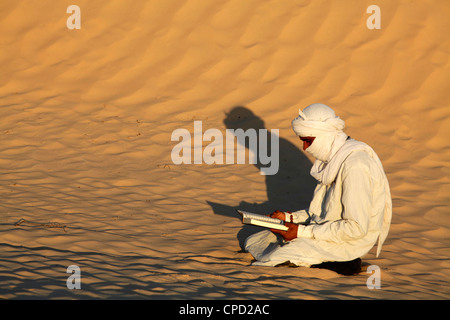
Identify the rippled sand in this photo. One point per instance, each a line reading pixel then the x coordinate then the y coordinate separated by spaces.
pixel 86 118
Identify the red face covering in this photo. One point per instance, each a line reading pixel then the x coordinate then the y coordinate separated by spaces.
pixel 307 141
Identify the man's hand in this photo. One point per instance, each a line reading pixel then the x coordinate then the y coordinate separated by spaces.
pixel 289 234
pixel 278 215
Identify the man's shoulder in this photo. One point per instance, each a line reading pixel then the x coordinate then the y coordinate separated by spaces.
pixel 359 159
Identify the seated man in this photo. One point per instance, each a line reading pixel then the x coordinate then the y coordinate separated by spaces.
pixel 351 207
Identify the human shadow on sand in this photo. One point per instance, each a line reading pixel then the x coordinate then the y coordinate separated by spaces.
pixel 290 189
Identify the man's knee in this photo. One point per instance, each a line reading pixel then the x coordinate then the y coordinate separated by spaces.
pixel 259 238
pixel 262 243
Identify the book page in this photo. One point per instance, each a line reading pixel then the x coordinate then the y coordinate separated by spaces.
pixel 260 217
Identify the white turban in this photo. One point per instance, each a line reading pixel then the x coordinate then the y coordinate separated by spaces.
pixel 315 120
pixel 320 121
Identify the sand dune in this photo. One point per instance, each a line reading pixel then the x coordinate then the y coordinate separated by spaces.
pixel 86 123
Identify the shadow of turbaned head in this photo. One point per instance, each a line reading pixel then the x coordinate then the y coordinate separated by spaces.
pixel 243 118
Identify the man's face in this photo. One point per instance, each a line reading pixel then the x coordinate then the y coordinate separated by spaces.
pixel 307 141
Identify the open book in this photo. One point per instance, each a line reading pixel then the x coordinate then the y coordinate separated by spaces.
pixel 262 221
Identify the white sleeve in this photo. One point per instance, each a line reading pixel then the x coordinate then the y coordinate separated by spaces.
pixel 297 216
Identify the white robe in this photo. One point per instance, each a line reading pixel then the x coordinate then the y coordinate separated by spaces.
pixel 344 220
